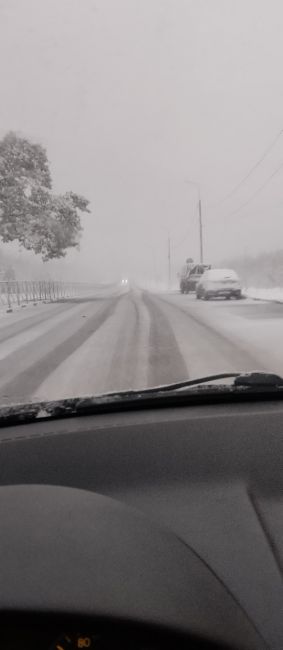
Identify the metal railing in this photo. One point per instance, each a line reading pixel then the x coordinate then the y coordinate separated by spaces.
pixel 13 292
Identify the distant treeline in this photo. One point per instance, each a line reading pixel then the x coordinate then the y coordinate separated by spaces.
pixel 264 270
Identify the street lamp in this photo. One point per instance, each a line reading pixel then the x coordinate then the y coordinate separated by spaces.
pixel 200 218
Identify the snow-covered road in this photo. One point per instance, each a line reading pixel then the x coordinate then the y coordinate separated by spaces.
pixel 130 339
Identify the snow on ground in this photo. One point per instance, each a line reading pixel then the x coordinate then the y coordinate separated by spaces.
pixel 275 294
pixel 254 326
pixel 5 311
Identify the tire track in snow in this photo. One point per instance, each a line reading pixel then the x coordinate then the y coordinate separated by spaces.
pixel 165 362
pixel 24 384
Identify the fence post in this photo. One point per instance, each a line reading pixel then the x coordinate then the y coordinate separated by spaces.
pixel 12 291
pixel 18 293
pixel 26 290
pixel 8 295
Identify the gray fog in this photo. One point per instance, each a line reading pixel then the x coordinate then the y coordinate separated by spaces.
pixel 134 98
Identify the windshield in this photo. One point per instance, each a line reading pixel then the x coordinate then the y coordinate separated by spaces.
pixel 141 142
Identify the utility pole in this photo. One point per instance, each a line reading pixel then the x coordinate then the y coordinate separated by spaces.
pixel 169 263
pixel 200 231
pixel 200 219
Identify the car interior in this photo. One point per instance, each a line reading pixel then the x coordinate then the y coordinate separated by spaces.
pixel 149 527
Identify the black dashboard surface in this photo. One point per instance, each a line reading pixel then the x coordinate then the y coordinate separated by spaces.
pixel 175 518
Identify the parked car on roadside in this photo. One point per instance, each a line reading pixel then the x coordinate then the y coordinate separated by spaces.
pixel 219 283
pixel 190 277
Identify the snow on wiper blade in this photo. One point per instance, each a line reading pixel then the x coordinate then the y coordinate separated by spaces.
pixel 243 382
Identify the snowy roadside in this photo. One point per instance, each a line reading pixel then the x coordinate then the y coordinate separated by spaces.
pixel 5 312
pixel 251 326
pixel 254 293
pixel 97 291
pixel 271 295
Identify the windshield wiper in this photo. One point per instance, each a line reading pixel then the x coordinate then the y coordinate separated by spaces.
pixel 240 379
pixel 252 383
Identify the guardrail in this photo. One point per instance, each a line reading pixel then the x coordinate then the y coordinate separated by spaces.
pixel 15 293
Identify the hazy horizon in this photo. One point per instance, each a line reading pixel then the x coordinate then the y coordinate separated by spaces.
pixel 131 98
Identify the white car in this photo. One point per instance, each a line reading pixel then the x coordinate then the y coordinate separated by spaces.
pixel 216 283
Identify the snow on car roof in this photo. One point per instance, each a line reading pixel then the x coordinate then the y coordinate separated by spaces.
pixel 219 274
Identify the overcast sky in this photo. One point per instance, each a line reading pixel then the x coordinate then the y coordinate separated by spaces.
pixel 132 98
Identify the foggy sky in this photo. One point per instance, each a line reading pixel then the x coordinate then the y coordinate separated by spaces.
pixel 132 98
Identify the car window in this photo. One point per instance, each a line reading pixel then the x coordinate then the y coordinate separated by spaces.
pixel 220 274
pixel 139 143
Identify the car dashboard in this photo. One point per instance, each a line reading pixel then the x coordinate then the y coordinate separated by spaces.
pixel 144 529
pixel 48 633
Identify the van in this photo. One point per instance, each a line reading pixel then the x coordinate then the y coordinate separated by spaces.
pixel 190 277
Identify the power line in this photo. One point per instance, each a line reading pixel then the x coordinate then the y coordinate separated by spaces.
pixel 255 166
pixel 260 189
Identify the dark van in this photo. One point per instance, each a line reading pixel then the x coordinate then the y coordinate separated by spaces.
pixel 191 275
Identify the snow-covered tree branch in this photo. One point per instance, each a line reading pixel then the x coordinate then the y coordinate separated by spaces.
pixel 30 213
